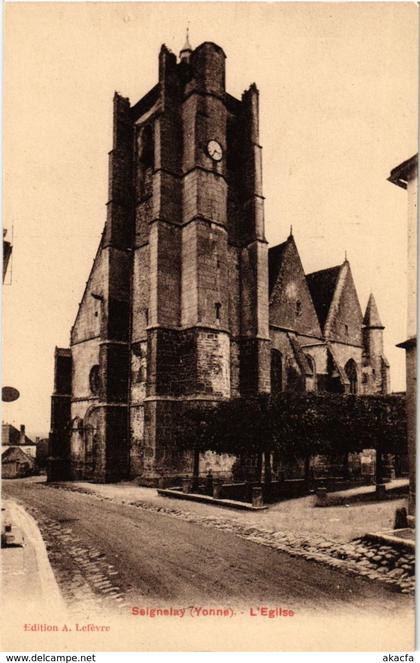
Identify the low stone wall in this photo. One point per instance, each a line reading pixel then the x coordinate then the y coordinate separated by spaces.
pixel 272 492
pixel 275 491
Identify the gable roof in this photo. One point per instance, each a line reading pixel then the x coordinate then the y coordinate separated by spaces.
pixel 322 286
pixel 275 260
pixel 13 454
pixel 290 302
pixel 372 319
pixel 301 358
pixel 88 285
pixel 12 436
pixel 344 319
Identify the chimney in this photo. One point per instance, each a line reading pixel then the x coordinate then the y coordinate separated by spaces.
pixel 22 434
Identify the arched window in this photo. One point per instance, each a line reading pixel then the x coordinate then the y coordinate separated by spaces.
pixel 139 362
pixel 351 371
pixel 147 147
pixel 77 425
pixel 312 364
pixel 145 161
pixel 276 371
pixel 94 382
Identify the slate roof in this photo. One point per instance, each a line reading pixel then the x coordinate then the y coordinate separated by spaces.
pixel 322 286
pixel 300 356
pixel 275 259
pixel 12 436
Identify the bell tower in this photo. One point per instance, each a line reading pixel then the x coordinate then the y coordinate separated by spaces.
pixel 200 239
pixel 373 330
pixel 175 311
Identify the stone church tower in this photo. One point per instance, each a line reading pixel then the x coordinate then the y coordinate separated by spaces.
pixel 176 305
pixel 184 304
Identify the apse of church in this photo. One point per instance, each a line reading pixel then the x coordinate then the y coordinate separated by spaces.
pixel 320 339
pixel 184 303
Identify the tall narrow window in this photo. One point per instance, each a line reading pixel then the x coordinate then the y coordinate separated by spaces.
pixel 218 309
pixel 276 371
pixel 94 379
pixel 311 362
pixel 298 308
pixel 147 148
pixel 351 371
pixel 145 161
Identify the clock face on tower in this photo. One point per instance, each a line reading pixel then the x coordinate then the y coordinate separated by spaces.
pixel 214 150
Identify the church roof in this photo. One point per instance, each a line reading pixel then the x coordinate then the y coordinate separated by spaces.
pixel 301 358
pixel 372 318
pixel 275 259
pixel 322 286
pixel 187 45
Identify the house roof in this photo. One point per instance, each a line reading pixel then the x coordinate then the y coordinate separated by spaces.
pixel 322 286
pixel 13 454
pixel 275 259
pixel 372 318
pixel 401 174
pixel 12 436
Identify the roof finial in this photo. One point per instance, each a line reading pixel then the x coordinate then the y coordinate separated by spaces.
pixel 291 231
pixel 345 255
pixel 186 50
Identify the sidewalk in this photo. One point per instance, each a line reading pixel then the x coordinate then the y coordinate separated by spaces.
pixel 332 535
pixel 340 523
pixel 29 588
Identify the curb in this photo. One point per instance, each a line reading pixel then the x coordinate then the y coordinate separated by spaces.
pixel 387 537
pixel 207 499
pixel 49 588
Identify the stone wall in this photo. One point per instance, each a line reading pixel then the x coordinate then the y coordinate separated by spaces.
pixel 176 308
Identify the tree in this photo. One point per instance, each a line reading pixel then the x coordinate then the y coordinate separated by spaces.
pixel 297 425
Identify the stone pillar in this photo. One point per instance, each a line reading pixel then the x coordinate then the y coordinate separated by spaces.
pixel 321 497
pixel 257 496
pixel 389 466
pixel 58 463
pixel 209 483
pixel 217 489
pixel 380 491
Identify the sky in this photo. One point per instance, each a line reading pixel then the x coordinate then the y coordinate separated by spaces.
pixel 338 110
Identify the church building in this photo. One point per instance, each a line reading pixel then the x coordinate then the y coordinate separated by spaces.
pixel 185 301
